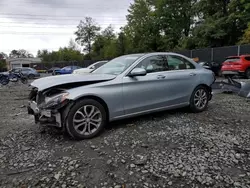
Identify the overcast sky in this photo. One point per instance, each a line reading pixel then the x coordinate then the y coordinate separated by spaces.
pixel 50 24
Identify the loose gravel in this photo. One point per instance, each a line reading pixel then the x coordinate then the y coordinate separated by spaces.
pixel 169 149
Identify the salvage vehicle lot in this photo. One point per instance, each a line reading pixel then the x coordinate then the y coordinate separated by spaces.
pixel 168 149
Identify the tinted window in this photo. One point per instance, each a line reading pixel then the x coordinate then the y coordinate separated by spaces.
pixel 98 65
pixel 247 58
pixel 25 69
pixel 179 63
pixel 67 68
pixel 154 64
pixel 16 70
pixel 232 59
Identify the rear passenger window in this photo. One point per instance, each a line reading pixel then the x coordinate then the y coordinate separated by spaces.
pixel 179 63
pixel 247 58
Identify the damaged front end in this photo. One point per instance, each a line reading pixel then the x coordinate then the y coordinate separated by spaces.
pixel 46 106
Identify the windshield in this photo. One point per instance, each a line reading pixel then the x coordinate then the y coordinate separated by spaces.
pixel 117 65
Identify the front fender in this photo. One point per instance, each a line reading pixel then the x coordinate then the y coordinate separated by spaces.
pixel 110 95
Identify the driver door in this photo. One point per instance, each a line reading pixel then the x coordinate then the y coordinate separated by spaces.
pixel 144 93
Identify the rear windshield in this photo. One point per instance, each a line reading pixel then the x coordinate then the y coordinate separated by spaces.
pixel 232 59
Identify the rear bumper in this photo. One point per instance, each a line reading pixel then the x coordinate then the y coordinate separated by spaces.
pixel 44 116
pixel 232 72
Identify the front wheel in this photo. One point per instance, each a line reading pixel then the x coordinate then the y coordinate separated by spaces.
pixel 199 99
pixel 86 119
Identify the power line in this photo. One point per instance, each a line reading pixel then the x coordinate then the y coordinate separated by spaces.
pixel 35 26
pixel 53 16
pixel 81 6
pixel 58 24
pixel 33 33
pixel 44 27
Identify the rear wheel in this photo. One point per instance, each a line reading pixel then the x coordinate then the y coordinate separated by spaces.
pixel 24 80
pixel 86 119
pixel 199 99
pixel 247 73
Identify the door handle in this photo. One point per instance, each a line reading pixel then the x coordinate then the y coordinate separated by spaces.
pixel 192 74
pixel 161 77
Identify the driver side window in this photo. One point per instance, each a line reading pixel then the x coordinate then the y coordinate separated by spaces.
pixel 154 64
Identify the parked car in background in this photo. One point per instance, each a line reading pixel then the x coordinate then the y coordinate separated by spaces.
pixel 90 68
pixel 126 86
pixel 51 70
pixel 214 66
pixel 30 73
pixel 237 65
pixel 66 70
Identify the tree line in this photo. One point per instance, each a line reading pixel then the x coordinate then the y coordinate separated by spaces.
pixel 160 25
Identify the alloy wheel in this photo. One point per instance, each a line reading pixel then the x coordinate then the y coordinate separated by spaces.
pixel 200 98
pixel 87 120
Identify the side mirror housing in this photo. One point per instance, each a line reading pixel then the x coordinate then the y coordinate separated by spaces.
pixel 137 72
pixel 207 67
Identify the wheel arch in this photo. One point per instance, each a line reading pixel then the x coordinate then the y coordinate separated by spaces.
pixel 206 86
pixel 209 89
pixel 98 99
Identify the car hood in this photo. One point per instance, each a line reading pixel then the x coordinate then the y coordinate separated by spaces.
pixel 77 79
pixel 83 70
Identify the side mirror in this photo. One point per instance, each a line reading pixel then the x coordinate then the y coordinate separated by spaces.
pixel 138 72
pixel 207 67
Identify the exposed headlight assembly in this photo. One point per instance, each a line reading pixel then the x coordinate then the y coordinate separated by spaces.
pixel 54 101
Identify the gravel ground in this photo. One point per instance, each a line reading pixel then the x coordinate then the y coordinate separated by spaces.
pixel 168 149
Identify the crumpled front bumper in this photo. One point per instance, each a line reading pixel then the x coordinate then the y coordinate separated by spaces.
pixel 44 116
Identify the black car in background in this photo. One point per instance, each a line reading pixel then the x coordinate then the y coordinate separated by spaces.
pixel 26 71
pixel 214 66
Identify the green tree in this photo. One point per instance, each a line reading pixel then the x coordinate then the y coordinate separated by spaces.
pixel 220 23
pixel 175 19
pixel 104 46
pixel 246 37
pixel 20 54
pixel 73 45
pixel 142 28
pixel 86 33
pixel 3 58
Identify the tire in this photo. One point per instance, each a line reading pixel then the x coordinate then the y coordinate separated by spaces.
pixel 219 73
pixel 76 122
pixel 31 76
pixel 247 73
pixel 202 92
pixel 4 81
pixel 24 80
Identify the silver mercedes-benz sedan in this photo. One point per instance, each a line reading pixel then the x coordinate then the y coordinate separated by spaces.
pixel 126 86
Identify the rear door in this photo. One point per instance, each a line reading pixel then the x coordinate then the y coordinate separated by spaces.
pixel 182 78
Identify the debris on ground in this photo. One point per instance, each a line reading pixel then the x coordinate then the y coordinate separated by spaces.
pixel 168 149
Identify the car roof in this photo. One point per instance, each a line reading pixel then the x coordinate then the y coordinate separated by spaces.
pixel 237 56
